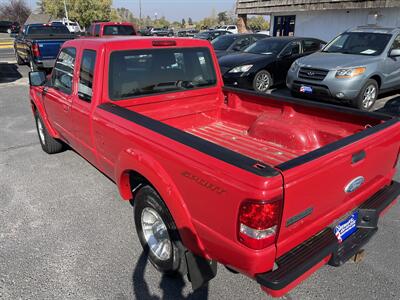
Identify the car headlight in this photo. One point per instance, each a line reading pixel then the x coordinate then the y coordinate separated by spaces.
pixel 350 72
pixel 295 66
pixel 241 69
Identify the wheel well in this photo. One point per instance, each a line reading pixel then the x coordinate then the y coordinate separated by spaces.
pixel 133 181
pixel 377 79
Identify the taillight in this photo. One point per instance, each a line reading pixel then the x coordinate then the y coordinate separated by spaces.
pixel 258 223
pixel 35 50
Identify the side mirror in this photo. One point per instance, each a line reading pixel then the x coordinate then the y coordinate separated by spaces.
pixel 37 78
pixel 394 53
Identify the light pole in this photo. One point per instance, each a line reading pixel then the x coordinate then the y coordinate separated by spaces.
pixel 140 12
pixel 66 12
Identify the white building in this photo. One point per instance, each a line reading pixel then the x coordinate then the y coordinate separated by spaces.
pixel 320 18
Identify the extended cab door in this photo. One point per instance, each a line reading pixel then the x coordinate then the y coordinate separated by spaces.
pixel 83 104
pixel 57 95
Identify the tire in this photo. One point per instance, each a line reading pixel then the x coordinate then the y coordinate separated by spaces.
pixel 149 207
pixel 262 81
pixel 19 60
pixel 367 96
pixel 49 144
pixel 32 65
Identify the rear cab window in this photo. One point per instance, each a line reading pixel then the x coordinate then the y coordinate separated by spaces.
pixel 136 73
pixel 118 30
pixel 86 75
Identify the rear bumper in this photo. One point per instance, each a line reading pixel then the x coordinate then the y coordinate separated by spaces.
pixel 45 63
pixel 295 265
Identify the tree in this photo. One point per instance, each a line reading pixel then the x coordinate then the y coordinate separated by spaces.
pixel 183 23
pixel 83 11
pixel 190 21
pixel 258 23
pixel 222 18
pixel 15 11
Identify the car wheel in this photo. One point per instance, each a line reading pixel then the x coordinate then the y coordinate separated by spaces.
pixel 49 144
pixel 18 59
pixel 368 95
pixel 32 65
pixel 158 233
pixel 262 81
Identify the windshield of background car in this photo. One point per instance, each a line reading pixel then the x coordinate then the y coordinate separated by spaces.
pixel 50 30
pixel 266 46
pixel 135 73
pixel 362 43
pixel 118 30
pixel 223 42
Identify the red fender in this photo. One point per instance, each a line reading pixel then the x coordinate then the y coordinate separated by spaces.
pixel 37 105
pixel 153 171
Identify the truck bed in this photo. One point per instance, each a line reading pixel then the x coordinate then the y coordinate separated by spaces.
pixel 267 130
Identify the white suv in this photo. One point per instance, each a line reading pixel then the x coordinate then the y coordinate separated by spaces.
pixel 230 28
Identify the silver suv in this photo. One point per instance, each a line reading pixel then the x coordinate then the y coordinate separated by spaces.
pixel 353 68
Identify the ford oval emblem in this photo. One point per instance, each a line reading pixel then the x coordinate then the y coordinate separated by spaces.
pixel 354 184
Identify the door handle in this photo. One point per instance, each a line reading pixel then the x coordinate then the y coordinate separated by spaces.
pixel 66 108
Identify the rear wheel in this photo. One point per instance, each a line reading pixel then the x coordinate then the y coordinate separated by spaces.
pixel 49 144
pixel 368 95
pixel 262 81
pixel 158 233
pixel 18 59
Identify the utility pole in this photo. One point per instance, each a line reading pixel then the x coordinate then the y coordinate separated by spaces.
pixel 66 12
pixel 140 12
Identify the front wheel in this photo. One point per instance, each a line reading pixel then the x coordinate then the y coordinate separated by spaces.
pixel 49 144
pixel 158 233
pixel 262 81
pixel 368 95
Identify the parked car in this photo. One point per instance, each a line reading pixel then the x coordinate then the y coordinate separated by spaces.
pixel 72 26
pixel 265 63
pixel 100 29
pixel 231 43
pixel 39 44
pixel 145 31
pixel 161 32
pixel 353 68
pixel 210 34
pixel 187 33
pixel 268 186
pixel 5 26
pixel 230 28
pixel 15 28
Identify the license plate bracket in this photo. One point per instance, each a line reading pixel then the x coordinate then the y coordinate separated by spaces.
pixel 346 227
pixel 306 89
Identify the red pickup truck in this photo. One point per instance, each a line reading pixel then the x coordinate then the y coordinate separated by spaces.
pixel 270 187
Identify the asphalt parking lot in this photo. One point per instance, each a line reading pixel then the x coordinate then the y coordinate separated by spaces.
pixel 65 233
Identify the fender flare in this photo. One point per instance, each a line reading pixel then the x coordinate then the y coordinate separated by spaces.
pixel 37 106
pixel 142 163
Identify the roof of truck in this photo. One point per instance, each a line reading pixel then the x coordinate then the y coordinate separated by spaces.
pixel 140 41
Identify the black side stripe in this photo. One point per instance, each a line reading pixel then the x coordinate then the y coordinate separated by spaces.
pixel 221 153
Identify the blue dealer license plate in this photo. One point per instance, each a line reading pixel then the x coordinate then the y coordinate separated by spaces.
pixel 306 89
pixel 345 228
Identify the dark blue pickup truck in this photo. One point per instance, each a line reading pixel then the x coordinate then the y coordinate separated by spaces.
pixel 38 44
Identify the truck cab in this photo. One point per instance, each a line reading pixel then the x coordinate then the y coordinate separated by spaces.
pixel 100 29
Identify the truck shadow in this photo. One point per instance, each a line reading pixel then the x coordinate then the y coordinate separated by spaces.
pixel 9 73
pixel 171 287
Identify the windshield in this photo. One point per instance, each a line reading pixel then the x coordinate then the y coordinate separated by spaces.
pixel 48 30
pixel 266 46
pixel 223 42
pixel 118 30
pixel 361 43
pixel 143 72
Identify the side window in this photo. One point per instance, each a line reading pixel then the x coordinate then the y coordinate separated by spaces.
pixel 396 43
pixel 97 30
pixel 86 74
pixel 241 44
pixel 311 46
pixel 292 49
pixel 63 71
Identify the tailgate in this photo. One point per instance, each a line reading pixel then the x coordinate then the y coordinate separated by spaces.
pixel 315 184
pixel 49 48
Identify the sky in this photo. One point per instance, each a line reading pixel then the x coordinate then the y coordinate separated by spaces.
pixel 175 10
